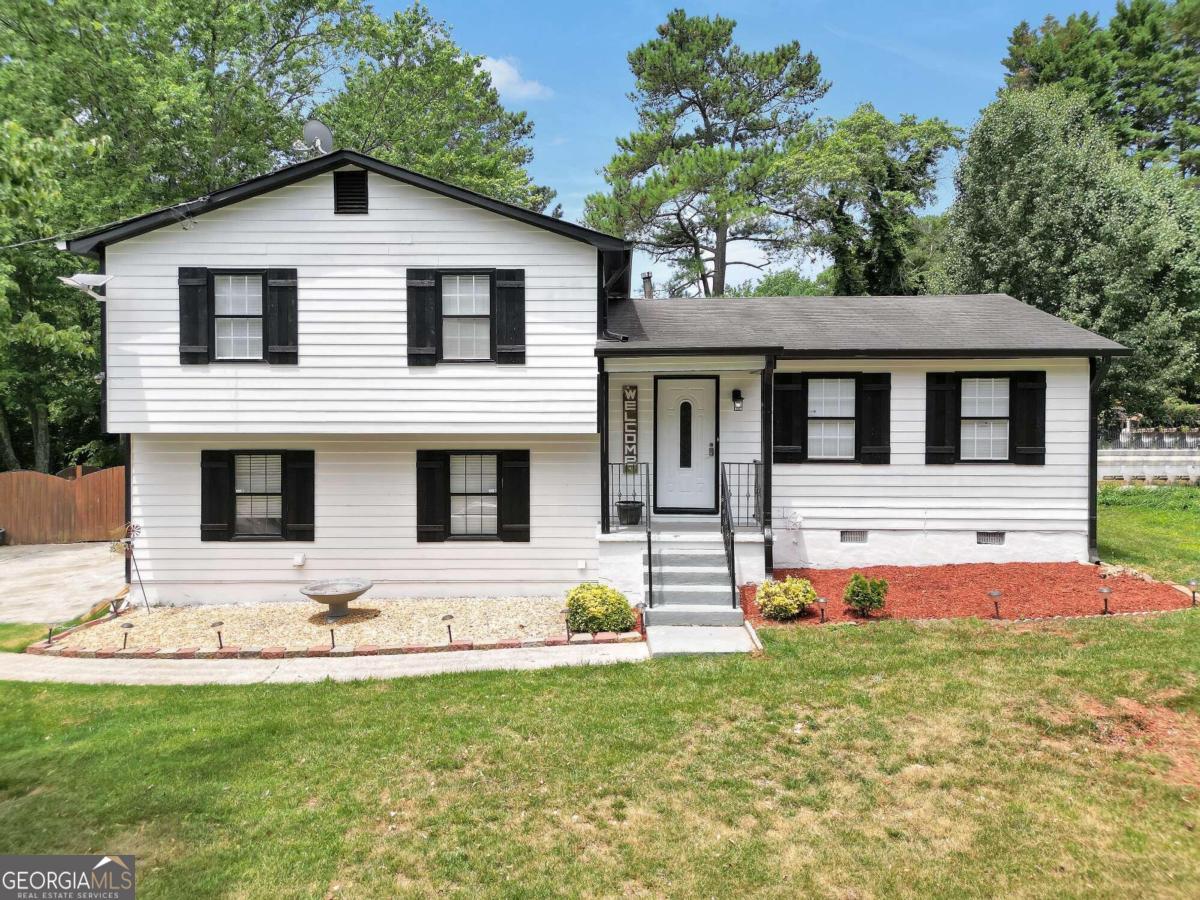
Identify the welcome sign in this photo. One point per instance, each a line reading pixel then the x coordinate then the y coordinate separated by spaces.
pixel 629 424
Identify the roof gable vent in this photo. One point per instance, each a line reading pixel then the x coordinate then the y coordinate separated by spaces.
pixel 350 192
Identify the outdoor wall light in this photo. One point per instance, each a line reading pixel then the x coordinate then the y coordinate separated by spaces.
pixel 1194 587
pixel 125 640
pixel 216 626
pixel 995 596
pixel 821 601
pixel 1105 593
pixel 738 399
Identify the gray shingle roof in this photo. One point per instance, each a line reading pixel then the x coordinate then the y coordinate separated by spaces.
pixel 954 325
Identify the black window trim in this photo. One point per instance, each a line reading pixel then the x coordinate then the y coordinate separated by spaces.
pixel 283 504
pixel 441 316
pixel 212 316
pixel 996 461
pixel 789 452
pixel 852 377
pixel 450 495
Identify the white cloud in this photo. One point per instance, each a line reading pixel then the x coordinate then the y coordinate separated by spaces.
pixel 510 83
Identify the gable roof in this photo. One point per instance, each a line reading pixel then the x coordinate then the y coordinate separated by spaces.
pixel 90 244
pixel 957 325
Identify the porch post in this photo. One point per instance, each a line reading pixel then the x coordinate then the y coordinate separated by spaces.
pixel 602 428
pixel 768 463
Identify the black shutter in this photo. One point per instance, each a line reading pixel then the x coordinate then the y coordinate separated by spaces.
pixel 433 495
pixel 791 417
pixel 193 316
pixel 299 506
pixel 350 192
pixel 280 318
pixel 873 428
pixel 216 495
pixel 424 317
pixel 1027 434
pixel 943 417
pixel 513 520
pixel 510 316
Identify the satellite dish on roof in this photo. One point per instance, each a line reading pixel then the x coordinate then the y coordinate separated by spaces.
pixel 318 136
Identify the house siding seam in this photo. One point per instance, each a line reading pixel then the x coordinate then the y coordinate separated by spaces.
pixel 352 375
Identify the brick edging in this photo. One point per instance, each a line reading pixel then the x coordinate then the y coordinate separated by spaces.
pixel 45 648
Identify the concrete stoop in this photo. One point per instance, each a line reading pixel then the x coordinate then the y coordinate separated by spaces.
pixel 676 640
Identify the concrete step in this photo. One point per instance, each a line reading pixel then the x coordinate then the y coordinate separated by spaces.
pixel 686 614
pixel 708 559
pixel 669 575
pixel 703 594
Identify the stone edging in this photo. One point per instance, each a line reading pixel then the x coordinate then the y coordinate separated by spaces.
pixel 49 648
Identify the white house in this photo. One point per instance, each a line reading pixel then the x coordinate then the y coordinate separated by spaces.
pixel 347 368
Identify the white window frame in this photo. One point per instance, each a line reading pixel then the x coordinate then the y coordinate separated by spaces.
pixel 216 317
pixel 489 318
pixel 991 416
pixel 824 418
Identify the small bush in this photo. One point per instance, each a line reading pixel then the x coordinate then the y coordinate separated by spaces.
pixel 783 600
pixel 594 607
pixel 865 595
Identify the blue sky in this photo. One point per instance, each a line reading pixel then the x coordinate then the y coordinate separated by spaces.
pixel 565 63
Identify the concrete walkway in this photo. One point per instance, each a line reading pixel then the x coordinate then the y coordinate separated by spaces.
pixel 27 667
pixel 42 583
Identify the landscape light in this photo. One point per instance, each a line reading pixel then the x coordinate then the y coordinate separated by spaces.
pixel 216 626
pixel 995 595
pixel 1194 587
pixel 125 641
pixel 821 601
pixel 448 618
pixel 1105 592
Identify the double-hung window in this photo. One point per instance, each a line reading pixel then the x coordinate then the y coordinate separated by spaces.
pixel 238 315
pixel 831 416
pixel 985 419
pixel 466 317
pixel 473 494
pixel 258 494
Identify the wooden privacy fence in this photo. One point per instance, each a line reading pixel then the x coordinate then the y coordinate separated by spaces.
pixel 46 509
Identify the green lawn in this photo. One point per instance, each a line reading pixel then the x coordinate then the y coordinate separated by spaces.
pixel 15 638
pixel 897 759
pixel 1156 531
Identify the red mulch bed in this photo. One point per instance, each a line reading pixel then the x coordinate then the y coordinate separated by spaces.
pixel 940 592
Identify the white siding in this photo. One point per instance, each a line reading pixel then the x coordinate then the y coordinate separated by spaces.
pixel 352 376
pixel 939 507
pixel 365 523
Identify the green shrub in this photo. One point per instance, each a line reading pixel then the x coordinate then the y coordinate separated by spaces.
pixel 594 607
pixel 865 595
pixel 782 600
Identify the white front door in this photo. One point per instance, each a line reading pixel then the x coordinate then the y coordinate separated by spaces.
pixel 685 464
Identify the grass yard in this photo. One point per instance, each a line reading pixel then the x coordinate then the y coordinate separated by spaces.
pixel 16 637
pixel 944 759
pixel 1156 530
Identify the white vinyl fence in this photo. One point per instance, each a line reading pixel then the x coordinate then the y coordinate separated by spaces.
pixel 1173 457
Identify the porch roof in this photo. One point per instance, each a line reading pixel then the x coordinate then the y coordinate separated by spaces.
pixel 958 325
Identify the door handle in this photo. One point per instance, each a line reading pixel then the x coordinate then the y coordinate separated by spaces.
pixel 712 448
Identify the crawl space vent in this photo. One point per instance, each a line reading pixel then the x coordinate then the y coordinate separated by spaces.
pixel 989 537
pixel 854 537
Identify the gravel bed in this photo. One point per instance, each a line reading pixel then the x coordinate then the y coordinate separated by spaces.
pixel 301 624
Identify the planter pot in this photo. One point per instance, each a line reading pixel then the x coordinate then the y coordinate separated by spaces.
pixel 629 512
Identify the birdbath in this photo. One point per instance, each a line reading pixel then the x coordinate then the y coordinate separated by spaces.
pixel 336 594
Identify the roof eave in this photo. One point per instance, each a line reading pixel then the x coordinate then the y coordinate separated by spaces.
pixel 89 244
pixel 633 349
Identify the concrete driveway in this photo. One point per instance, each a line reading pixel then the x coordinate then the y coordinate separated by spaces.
pixel 46 583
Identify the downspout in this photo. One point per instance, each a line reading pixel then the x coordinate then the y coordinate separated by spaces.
pixel 602 428
pixel 1097 369
pixel 124 438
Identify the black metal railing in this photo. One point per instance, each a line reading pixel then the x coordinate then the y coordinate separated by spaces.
pixel 629 509
pixel 745 493
pixel 727 535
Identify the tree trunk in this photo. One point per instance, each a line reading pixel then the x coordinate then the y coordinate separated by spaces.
pixel 720 257
pixel 39 417
pixel 8 456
